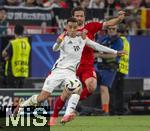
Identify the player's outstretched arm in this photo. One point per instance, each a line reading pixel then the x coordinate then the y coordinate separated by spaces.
pixel 98 47
pixel 59 42
pixel 101 48
pixel 115 21
pixel 104 55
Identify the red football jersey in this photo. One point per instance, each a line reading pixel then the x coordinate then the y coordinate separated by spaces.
pixel 87 58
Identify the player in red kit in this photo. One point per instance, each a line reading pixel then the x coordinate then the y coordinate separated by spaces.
pixel 86 71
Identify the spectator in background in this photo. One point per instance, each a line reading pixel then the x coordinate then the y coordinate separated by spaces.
pixel 40 3
pixel 116 92
pixel 12 3
pixel 16 55
pixel 84 3
pixel 135 4
pixel 125 3
pixel 53 4
pixel 133 25
pixel 72 3
pixel 56 4
pixel 3 22
pixel 97 4
pixel 145 3
pixel 29 3
pixel 133 20
pixel 112 4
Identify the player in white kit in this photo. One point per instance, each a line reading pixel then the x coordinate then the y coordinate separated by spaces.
pixel 64 70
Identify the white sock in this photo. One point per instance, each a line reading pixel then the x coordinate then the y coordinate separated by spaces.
pixel 31 101
pixel 34 99
pixel 72 103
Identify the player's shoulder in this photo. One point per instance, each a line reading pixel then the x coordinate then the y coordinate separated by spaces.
pixel 78 37
pixel 92 23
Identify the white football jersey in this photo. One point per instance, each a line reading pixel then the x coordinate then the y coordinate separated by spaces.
pixel 71 51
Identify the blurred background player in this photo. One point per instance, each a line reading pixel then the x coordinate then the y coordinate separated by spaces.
pixel 86 71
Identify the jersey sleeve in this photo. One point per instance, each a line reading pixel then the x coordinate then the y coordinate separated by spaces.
pixel 57 46
pixel 99 47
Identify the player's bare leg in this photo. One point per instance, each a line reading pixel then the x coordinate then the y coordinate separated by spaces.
pixel 105 98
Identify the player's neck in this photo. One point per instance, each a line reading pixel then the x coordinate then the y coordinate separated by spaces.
pixel 72 36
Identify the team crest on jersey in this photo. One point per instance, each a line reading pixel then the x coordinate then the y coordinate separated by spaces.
pixel 70 42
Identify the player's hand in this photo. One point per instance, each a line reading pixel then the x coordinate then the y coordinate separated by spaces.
pixel 121 53
pixel 121 15
pixel 61 37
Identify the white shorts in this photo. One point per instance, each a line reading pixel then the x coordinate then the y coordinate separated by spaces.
pixel 56 78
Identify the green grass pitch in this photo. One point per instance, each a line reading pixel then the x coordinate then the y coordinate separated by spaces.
pixel 106 123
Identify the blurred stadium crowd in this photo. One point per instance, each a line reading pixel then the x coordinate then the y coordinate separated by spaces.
pixel 116 4
pixel 138 13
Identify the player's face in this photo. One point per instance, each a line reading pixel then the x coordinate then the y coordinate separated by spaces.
pixel 80 16
pixel 72 28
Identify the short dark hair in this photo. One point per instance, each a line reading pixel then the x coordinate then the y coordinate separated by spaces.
pixel 19 29
pixel 78 8
pixel 71 19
